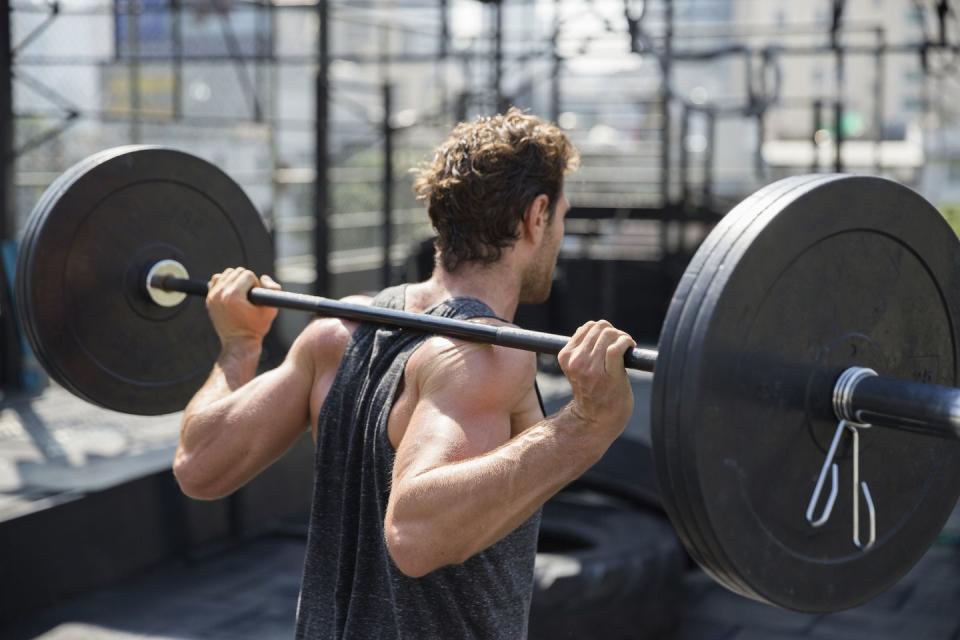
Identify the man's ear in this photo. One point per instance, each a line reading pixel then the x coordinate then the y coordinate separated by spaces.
pixel 536 218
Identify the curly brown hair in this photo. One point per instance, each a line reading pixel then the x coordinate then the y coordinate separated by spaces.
pixel 484 176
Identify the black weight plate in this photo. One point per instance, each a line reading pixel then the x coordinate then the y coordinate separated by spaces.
pixel 83 263
pixel 27 244
pixel 683 444
pixel 852 271
pixel 662 439
pixel 21 294
pixel 25 307
pixel 670 360
pixel 679 444
pixel 690 446
pixel 672 354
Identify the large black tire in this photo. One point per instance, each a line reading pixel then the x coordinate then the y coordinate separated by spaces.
pixel 625 471
pixel 604 572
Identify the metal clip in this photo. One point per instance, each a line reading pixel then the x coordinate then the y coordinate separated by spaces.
pixel 828 464
pixel 858 487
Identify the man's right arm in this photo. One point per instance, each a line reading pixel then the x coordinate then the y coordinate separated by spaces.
pixel 239 423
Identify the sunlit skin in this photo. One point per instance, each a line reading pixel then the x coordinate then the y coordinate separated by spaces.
pixel 538 278
pixel 474 455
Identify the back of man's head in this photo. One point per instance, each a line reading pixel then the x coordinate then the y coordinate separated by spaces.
pixel 483 178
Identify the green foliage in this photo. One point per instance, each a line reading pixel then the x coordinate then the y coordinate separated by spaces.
pixel 363 191
pixel 952 213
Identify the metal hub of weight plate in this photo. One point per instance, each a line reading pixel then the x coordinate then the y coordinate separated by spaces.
pixel 84 257
pixel 746 399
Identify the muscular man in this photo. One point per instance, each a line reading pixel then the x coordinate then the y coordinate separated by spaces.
pixel 433 456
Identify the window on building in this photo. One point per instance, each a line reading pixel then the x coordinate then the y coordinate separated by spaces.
pixel 817 78
pixel 145 29
pixel 913 103
pixel 912 75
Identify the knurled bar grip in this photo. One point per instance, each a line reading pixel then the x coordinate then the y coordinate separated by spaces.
pixel 636 358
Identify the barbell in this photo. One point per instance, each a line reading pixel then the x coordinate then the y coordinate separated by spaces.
pixel 820 307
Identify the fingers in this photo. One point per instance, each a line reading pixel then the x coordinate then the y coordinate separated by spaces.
pixel 608 347
pixel 593 363
pixel 596 347
pixel 269 283
pixel 221 279
pixel 234 317
pixel 615 351
pixel 234 282
pixel 571 355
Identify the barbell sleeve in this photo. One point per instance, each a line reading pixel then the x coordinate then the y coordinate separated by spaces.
pixel 637 358
pixel 862 396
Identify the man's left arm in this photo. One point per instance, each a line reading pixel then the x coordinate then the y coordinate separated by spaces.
pixel 460 481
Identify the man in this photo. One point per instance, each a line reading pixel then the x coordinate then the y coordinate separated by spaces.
pixel 433 456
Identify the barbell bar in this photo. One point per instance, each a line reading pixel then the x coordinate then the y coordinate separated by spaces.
pixel 505 336
pixel 873 399
pixel 817 307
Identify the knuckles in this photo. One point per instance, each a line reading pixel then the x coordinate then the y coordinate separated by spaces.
pixel 229 287
pixel 610 334
pixel 618 343
pixel 584 355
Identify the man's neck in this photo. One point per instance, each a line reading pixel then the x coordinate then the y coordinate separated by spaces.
pixel 498 285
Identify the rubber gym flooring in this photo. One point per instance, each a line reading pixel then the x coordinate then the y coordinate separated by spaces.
pixel 250 592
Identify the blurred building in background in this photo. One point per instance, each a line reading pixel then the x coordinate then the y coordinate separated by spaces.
pixel 680 108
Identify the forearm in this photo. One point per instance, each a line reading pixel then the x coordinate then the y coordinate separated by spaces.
pixel 204 428
pixel 447 514
pixel 235 366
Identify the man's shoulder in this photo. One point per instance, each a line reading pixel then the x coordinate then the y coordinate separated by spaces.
pixel 324 339
pixel 443 364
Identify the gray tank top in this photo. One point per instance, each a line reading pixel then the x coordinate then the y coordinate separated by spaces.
pixel 351 588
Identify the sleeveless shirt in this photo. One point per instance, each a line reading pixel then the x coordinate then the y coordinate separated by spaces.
pixel 351 587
